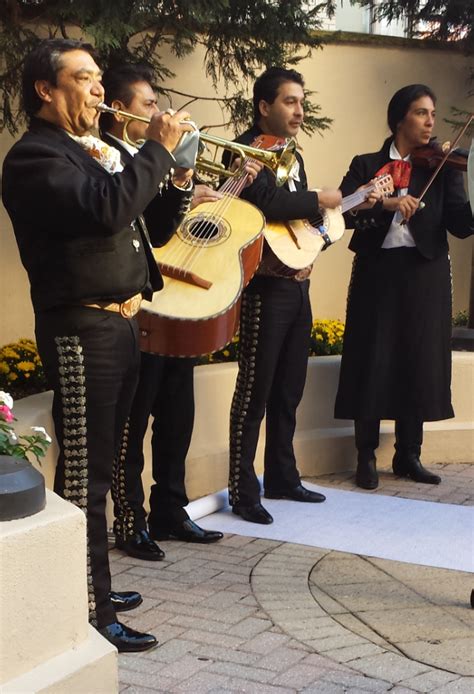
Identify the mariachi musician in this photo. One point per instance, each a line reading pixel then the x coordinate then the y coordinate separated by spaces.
pixel 275 321
pixel 165 389
pixel 396 361
pixel 76 216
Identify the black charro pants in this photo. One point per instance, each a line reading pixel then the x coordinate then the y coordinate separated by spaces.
pixel 275 328
pixel 91 360
pixel 166 392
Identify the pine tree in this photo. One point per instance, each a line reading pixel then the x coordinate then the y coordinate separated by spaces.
pixel 240 37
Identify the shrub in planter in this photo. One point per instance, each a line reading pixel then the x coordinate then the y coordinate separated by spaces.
pixel 461 319
pixel 21 371
pixel 326 338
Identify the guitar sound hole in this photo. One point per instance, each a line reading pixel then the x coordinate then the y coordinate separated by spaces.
pixel 203 230
pixel 316 221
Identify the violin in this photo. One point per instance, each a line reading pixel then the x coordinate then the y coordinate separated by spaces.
pixel 442 160
pixel 429 156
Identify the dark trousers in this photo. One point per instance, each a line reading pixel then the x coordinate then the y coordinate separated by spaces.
pixel 275 327
pixel 91 360
pixel 408 436
pixel 166 392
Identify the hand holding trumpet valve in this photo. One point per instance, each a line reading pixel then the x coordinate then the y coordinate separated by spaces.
pixel 167 128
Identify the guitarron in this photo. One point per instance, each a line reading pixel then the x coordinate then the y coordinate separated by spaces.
pixel 205 267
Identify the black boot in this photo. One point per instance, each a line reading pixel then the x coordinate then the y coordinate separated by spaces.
pixel 409 465
pixel 366 441
pixel 366 474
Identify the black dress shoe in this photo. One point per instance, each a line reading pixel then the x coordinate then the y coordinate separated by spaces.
pixel 141 546
pixel 127 640
pixel 187 531
pixel 366 474
pixel 409 465
pixel 255 513
pixel 298 493
pixel 123 602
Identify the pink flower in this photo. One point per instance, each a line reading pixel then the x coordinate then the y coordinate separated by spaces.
pixel 6 414
pixel 6 399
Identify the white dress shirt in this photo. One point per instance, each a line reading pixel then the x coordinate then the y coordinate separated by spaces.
pixel 398 234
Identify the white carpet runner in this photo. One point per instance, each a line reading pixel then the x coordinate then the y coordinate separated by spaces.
pixel 418 532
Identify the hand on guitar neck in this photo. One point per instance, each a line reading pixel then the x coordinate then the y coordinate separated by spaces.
pixel 251 167
pixel 373 196
pixel 204 193
pixel 407 205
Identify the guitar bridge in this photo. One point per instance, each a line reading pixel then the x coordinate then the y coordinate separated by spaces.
pixel 177 273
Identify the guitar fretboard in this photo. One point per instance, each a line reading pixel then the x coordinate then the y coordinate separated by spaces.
pixel 356 198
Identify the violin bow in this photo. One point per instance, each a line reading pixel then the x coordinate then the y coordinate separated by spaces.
pixel 444 159
pixel 442 162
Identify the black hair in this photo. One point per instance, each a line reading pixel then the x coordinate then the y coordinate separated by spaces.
pixel 400 103
pixel 267 85
pixel 118 84
pixel 44 63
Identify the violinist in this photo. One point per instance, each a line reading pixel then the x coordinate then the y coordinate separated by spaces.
pixel 396 361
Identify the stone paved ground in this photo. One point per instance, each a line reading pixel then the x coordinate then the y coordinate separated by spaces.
pixel 261 616
pixel 457 484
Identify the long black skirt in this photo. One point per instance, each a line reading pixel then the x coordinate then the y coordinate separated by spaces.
pixel 396 360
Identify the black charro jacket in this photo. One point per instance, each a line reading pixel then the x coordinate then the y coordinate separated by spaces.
pixel 279 203
pixel 75 224
pixel 165 212
pixel 446 208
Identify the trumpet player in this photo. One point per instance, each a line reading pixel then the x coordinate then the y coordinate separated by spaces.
pixel 165 389
pixel 76 214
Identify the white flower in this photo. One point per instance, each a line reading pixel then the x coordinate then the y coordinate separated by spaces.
pixel 7 399
pixel 42 431
pixel 12 437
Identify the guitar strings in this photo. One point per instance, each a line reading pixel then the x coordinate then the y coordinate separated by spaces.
pixel 232 189
pixel 384 183
pixel 181 255
pixel 204 228
pixel 184 257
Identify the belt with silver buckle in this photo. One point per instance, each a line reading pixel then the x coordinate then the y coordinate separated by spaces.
pixel 127 309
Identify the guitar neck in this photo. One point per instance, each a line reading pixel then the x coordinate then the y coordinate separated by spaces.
pixel 234 185
pixel 356 198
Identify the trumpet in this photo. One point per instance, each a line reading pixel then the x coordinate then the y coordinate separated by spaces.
pixel 280 161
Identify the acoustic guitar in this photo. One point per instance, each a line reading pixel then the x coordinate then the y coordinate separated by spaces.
pixel 205 266
pixel 297 243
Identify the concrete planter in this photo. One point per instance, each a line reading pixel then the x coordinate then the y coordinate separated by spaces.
pixel 46 643
pixel 22 490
